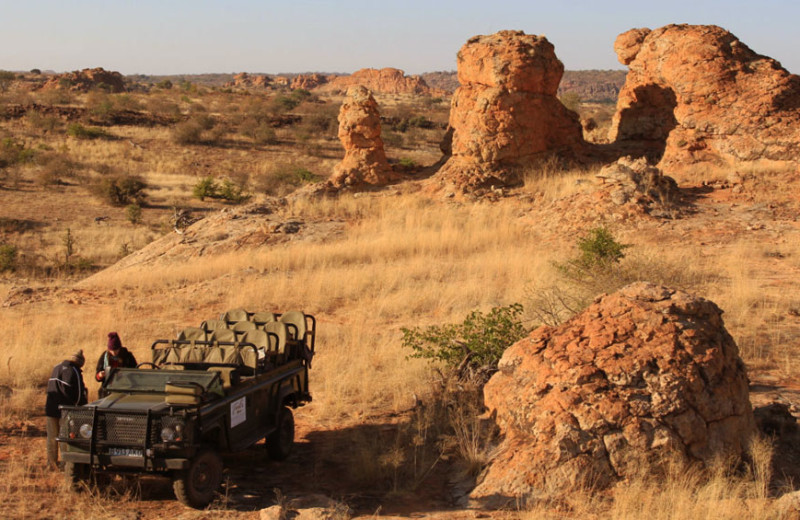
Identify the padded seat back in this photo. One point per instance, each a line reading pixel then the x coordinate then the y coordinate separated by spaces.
pixel 263 317
pixel 192 334
pixel 235 315
pixel 223 335
pixel 230 355
pixel 214 354
pixel 242 326
pixel 210 325
pixel 180 394
pixel 159 355
pixel 298 319
pixel 173 355
pixel 280 330
pixel 193 354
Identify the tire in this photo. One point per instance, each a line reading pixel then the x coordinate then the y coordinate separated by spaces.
pixel 76 475
pixel 281 441
pixel 197 485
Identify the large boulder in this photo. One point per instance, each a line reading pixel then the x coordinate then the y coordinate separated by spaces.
pixel 641 377
pixel 701 95
pixel 506 114
pixel 87 79
pixel 365 160
pixel 243 80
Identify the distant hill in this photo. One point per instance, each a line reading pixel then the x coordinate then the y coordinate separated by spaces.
pixel 599 86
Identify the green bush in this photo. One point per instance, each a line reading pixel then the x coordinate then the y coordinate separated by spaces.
pixel 8 257
pixel 134 213
pixel 78 131
pixel 205 187
pixel 121 190
pixel 598 251
pixel 471 349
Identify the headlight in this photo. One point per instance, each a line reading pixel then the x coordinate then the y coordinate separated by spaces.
pixel 86 431
pixel 167 434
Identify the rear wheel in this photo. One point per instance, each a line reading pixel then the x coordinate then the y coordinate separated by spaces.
pixel 281 441
pixel 197 485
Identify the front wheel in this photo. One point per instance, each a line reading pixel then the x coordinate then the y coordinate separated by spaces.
pixel 76 475
pixel 197 485
pixel 280 442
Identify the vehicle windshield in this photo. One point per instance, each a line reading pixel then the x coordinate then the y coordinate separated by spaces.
pixel 131 379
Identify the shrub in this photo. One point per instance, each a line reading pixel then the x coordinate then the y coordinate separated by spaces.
pixel 120 190
pixel 471 349
pixel 284 103
pixel 78 131
pixel 6 77
pixel 192 131
pixel 164 84
pixel 134 213
pixel 232 191
pixel 205 187
pixel 285 178
pixel 571 100
pixel 8 257
pixel 598 251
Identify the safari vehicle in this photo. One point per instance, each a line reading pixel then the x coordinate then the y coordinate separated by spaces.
pixel 218 388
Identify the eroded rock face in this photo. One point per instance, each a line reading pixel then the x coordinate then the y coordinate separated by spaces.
pixel 386 81
pixel 246 81
pixel 505 113
pixel 704 96
pixel 642 375
pixel 309 81
pixel 365 161
pixel 87 79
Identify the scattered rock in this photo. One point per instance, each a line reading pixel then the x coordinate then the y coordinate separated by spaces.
pixel 506 114
pixel 636 180
pixel 386 81
pixel 244 80
pixel 701 95
pixel 643 375
pixel 87 79
pixel 309 81
pixel 364 161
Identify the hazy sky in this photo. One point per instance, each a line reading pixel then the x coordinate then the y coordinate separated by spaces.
pixel 181 36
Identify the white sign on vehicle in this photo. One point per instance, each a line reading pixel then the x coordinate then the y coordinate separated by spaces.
pixel 238 412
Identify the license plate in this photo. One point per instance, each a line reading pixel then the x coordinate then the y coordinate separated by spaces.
pixel 125 452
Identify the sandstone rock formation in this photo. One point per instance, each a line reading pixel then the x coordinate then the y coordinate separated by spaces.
pixel 364 161
pixel 642 375
pixel 87 79
pixel 385 81
pixel 635 180
pixel 309 81
pixel 246 81
pixel 506 114
pixel 700 94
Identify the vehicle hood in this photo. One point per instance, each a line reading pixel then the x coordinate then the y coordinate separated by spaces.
pixel 138 402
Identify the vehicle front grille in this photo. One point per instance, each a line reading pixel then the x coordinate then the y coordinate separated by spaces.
pixel 122 428
pixel 70 428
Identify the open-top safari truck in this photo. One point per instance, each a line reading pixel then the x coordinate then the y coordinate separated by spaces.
pixel 218 388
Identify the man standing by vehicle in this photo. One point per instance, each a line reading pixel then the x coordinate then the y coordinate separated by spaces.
pixel 65 387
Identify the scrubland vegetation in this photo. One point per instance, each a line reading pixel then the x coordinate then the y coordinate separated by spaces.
pixel 75 170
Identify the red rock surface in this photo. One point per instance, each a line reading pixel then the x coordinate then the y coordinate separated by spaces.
pixel 642 375
pixel 706 96
pixel 309 81
pixel 364 161
pixel 385 81
pixel 87 79
pixel 246 81
pixel 506 113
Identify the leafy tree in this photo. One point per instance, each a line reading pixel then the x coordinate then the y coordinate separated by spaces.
pixel 470 349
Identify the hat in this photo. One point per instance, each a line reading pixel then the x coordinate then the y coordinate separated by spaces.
pixel 114 343
pixel 77 358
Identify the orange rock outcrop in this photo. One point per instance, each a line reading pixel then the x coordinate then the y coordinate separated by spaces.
pixel 87 79
pixel 364 161
pixel 385 81
pixel 246 81
pixel 642 376
pixel 701 95
pixel 506 114
pixel 309 81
